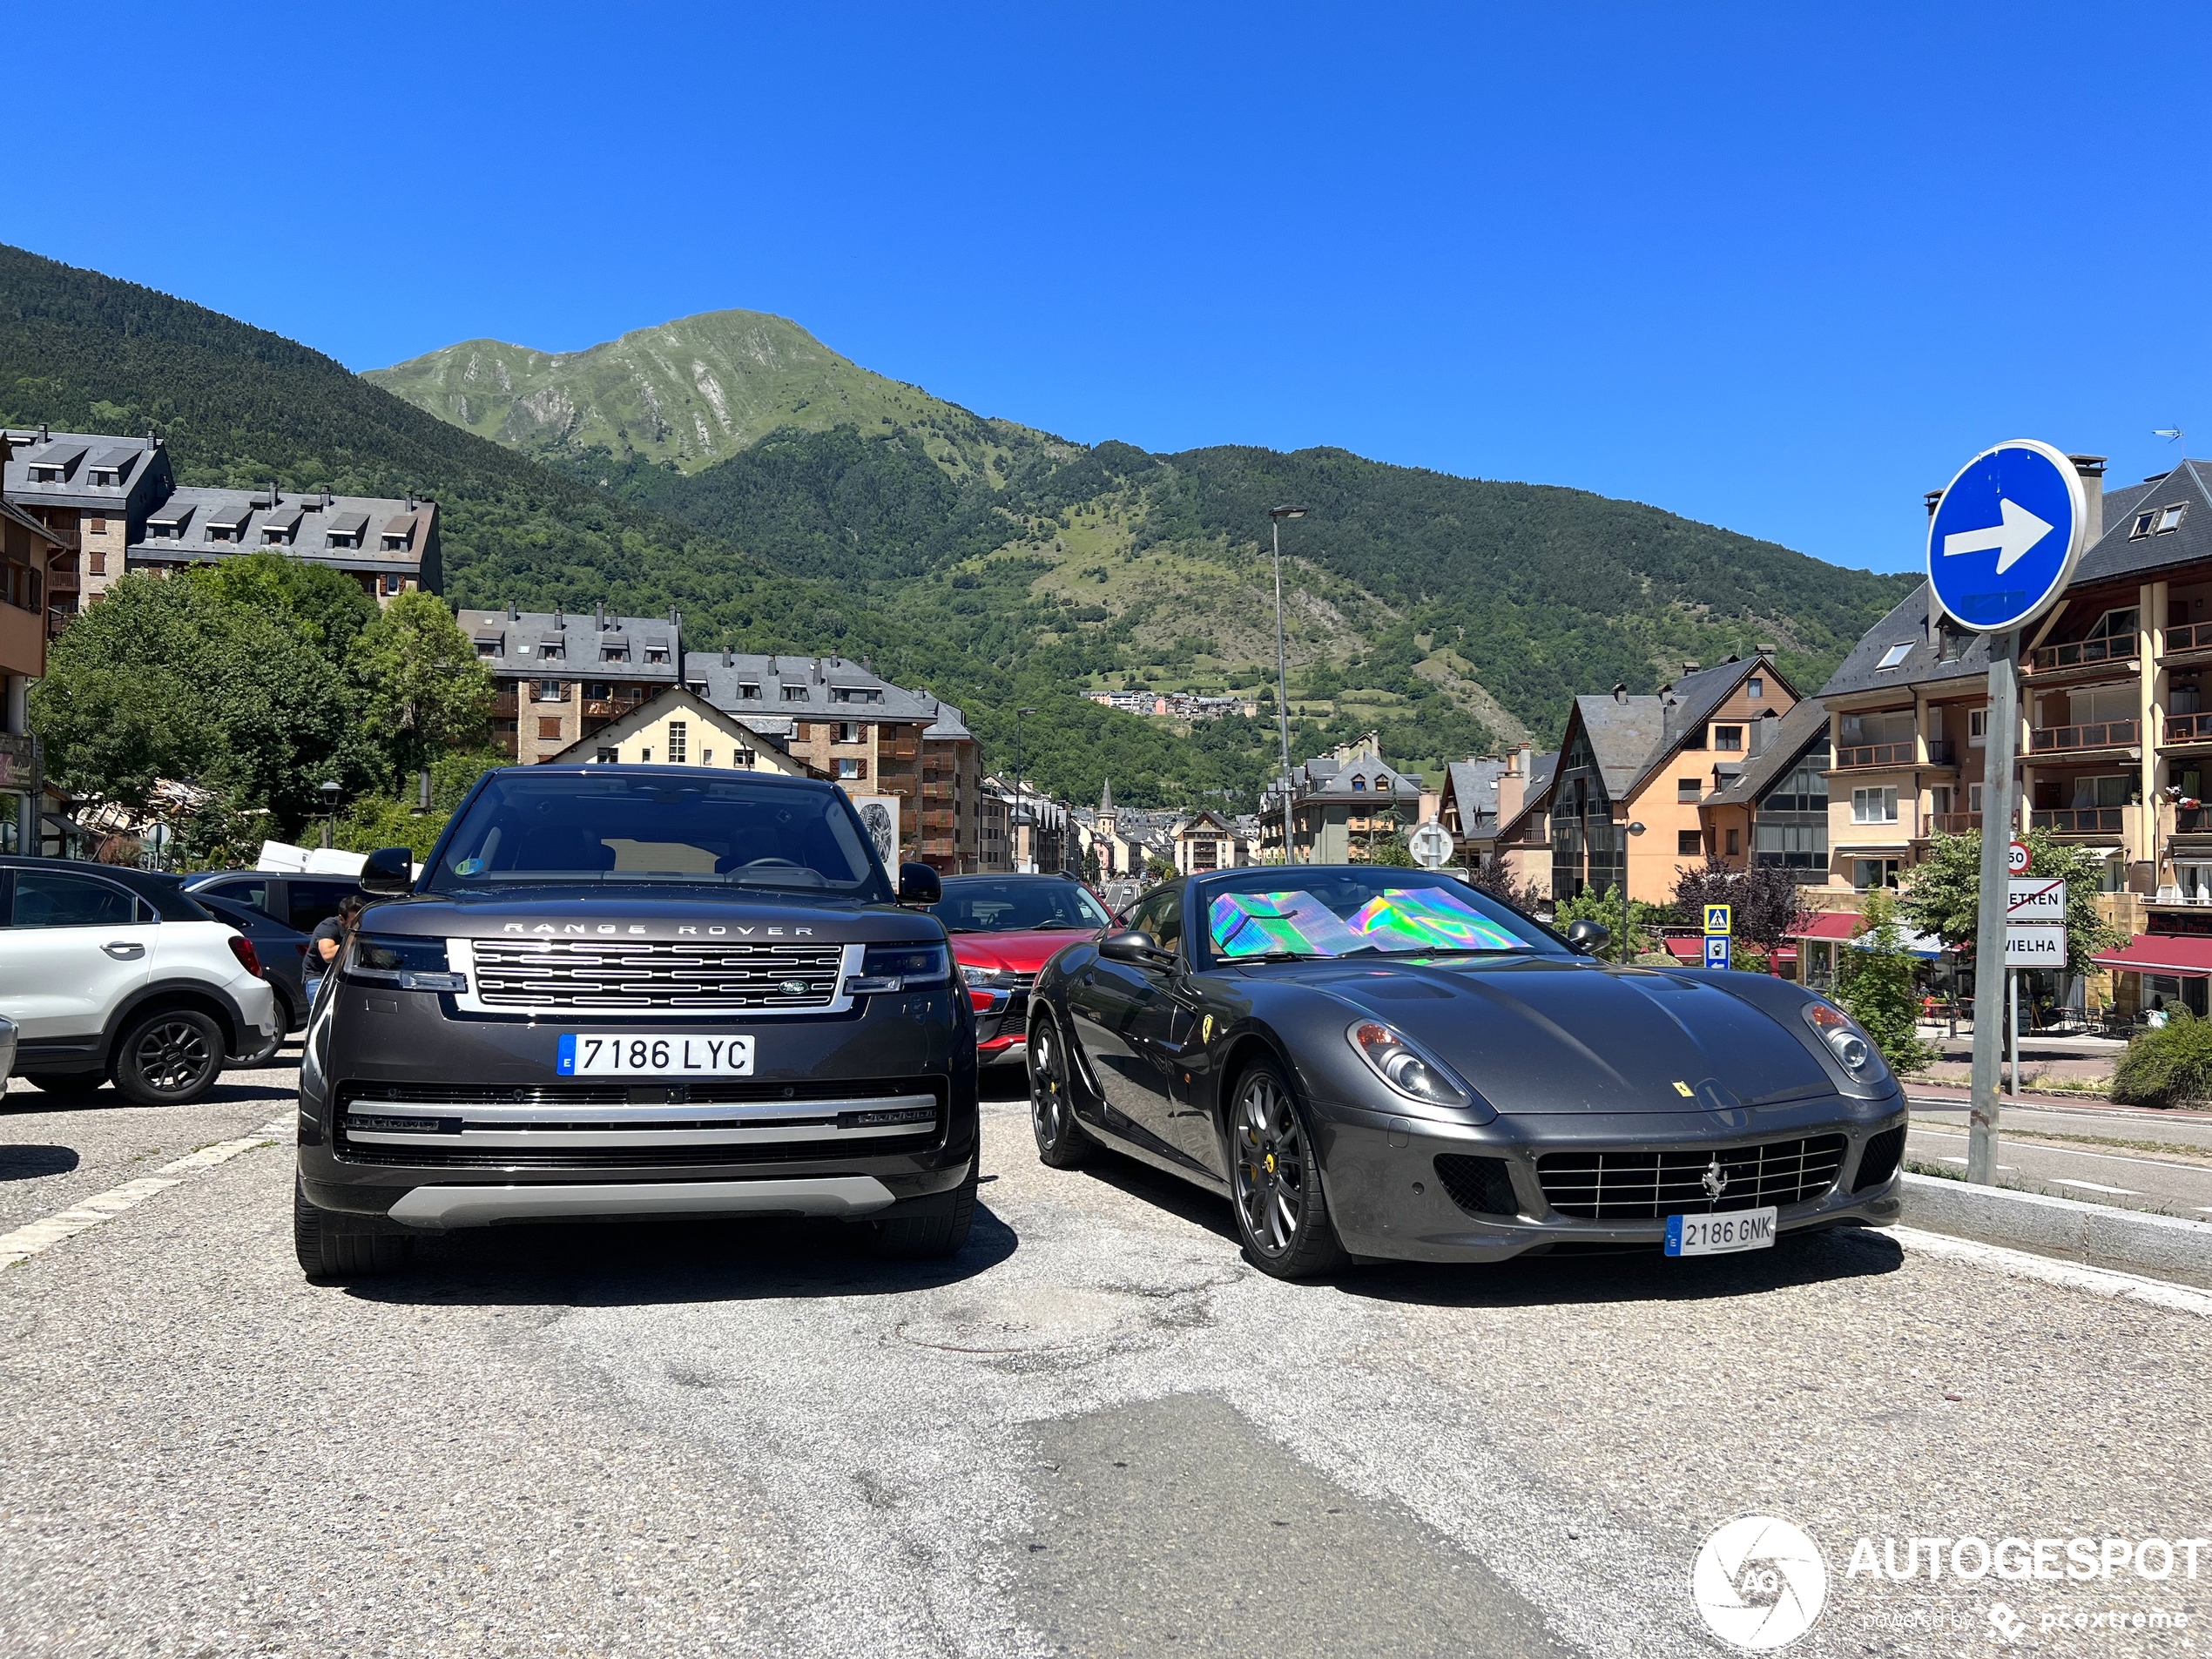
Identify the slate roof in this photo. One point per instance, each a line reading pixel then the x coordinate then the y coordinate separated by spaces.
pixel 948 726
pixel 1922 662
pixel 519 638
pixel 1794 733
pixel 140 467
pixel 2121 552
pixel 394 536
pixel 791 686
pixel 1472 786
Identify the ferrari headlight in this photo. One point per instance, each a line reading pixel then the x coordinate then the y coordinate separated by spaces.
pixel 1404 1067
pixel 1853 1050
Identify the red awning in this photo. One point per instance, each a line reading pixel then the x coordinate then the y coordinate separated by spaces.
pixel 1833 924
pixel 1689 950
pixel 1785 954
pixel 2182 953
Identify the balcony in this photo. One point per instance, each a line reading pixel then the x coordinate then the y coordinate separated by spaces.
pixel 2188 728
pixel 2196 636
pixel 2108 734
pixel 2082 820
pixel 608 708
pixel 1865 757
pixel 1955 823
pixel 2088 653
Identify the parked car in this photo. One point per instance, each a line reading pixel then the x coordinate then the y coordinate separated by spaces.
pixel 638 991
pixel 114 973
pixel 300 901
pixel 283 951
pixel 1004 928
pixel 7 1048
pixel 1374 1062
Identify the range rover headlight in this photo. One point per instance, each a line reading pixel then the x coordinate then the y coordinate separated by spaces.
pixel 1404 1067
pixel 411 964
pixel 1853 1048
pixel 900 967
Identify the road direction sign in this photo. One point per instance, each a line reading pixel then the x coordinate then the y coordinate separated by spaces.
pixel 1719 919
pixel 1431 846
pixel 2006 535
pixel 2036 898
pixel 1716 949
pixel 2037 946
pixel 2016 858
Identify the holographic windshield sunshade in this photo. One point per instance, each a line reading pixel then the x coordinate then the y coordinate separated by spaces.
pixel 1252 924
pixel 1429 919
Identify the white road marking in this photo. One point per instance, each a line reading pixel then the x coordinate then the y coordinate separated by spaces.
pixel 34 1237
pixel 2019 1264
pixel 2094 1186
pixel 2002 1169
pixel 2075 1152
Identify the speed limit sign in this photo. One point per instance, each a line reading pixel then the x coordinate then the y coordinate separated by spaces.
pixel 2016 859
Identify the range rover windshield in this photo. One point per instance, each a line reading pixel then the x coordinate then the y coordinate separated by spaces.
pixel 529 828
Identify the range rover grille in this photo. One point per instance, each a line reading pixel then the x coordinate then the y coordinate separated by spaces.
pixel 650 974
pixel 1644 1186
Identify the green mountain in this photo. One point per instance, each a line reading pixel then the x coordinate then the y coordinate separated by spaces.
pixel 687 394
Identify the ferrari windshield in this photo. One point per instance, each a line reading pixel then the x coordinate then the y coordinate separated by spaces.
pixel 540 828
pixel 1017 904
pixel 1278 914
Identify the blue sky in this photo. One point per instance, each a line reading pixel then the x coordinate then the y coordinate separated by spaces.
pixel 1781 268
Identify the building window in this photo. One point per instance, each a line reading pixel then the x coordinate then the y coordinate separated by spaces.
pixel 706 757
pixel 598 691
pixel 794 693
pixel 1687 789
pixel 749 691
pixel 607 756
pixel 742 758
pixel 679 741
pixel 98 526
pixel 1688 843
pixel 1873 805
pixel 852 732
pixel 1727 736
pixel 656 653
pixel 549 691
pixel 488 648
pixel 646 756
pixel 2116 624
pixel 548 731
pixel 1895 656
pixel 1977 726
pixel 1869 873
pixel 1755 686
pixel 98 565
pixel 2161 522
pixel 1734 842
pixel 847 770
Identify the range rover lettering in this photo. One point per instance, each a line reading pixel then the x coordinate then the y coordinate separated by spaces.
pixel 637 992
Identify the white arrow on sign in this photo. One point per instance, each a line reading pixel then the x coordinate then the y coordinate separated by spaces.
pixel 2020 530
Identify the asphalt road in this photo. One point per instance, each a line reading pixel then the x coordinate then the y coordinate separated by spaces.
pixel 1096 1432
pixel 2135 1161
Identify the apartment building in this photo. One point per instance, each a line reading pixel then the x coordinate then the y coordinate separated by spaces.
pixel 388 546
pixel 92 493
pixel 562 679
pixel 29 552
pixel 1206 843
pixel 1625 800
pixel 1774 811
pixel 839 718
pixel 675 728
pixel 1341 804
pixel 953 802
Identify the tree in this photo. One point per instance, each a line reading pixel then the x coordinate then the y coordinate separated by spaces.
pixel 1876 985
pixel 1766 907
pixel 422 690
pixel 330 606
pixel 1604 908
pixel 1943 894
pixel 1391 851
pixel 1495 877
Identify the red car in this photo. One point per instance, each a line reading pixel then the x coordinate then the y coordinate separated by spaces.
pixel 1004 928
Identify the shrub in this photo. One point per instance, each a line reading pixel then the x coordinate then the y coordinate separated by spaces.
pixel 2167 1067
pixel 1878 988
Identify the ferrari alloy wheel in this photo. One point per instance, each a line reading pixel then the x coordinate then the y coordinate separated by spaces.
pixel 1280 1210
pixel 1061 1142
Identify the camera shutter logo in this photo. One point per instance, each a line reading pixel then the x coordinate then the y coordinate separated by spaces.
pixel 1759 1583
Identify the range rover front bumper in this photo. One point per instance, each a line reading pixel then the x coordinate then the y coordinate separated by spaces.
pixel 413 1109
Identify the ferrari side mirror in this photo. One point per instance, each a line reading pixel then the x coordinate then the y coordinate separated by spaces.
pixel 1587 938
pixel 1136 948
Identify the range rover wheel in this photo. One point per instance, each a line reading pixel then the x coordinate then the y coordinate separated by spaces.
pixel 333 1247
pixel 1275 1180
pixel 64 1083
pixel 1061 1143
pixel 933 1234
pixel 171 1058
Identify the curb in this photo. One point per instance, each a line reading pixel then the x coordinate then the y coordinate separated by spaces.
pixel 2095 1235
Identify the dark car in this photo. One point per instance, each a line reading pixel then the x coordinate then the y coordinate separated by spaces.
pixel 283 952
pixel 300 901
pixel 638 991
pixel 1377 1063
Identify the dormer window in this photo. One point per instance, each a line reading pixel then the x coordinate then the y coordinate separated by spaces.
pixel 655 652
pixel 1359 785
pixel 552 649
pixel 855 694
pixel 45 475
pixel 794 693
pixel 398 535
pixel 749 690
pixel 347 529
pixel 490 647
pixel 614 653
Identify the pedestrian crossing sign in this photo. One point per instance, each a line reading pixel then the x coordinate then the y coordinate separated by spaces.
pixel 1718 919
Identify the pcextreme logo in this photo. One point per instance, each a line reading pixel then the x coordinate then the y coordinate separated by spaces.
pixel 1759 1583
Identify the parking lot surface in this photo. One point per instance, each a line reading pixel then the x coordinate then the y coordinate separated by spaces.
pixel 1097 1431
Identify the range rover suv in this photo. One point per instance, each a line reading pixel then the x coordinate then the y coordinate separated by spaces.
pixel 638 991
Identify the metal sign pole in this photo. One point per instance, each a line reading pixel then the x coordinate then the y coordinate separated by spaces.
pixel 2013 1001
pixel 1990 974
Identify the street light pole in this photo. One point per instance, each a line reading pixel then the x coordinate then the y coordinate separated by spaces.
pixel 1633 829
pixel 1277 514
pixel 330 791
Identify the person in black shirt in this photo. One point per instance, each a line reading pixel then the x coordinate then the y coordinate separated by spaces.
pixel 330 937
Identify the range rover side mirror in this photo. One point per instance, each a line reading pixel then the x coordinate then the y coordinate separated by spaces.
pixel 1587 938
pixel 1136 948
pixel 390 871
pixel 919 884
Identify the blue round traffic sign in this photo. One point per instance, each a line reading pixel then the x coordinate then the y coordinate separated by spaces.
pixel 2005 536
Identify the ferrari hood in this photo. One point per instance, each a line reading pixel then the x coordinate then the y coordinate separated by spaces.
pixel 1551 1036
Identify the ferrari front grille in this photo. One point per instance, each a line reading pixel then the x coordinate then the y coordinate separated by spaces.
pixel 1480 1186
pixel 1625 1185
pixel 1879 1161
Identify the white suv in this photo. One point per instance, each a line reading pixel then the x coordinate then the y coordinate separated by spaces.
pixel 117 973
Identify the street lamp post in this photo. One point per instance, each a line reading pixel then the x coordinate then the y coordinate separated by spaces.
pixel 1633 829
pixel 330 791
pixel 1277 514
pixel 1014 821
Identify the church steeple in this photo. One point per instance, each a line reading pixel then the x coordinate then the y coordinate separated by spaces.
pixel 1106 797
